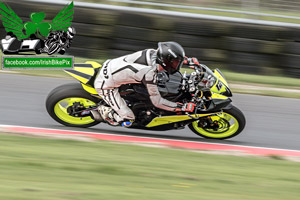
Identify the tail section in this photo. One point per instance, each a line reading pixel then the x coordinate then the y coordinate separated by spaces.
pixel 86 74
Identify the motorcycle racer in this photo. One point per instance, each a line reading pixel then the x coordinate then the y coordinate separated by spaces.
pixel 140 67
pixel 61 38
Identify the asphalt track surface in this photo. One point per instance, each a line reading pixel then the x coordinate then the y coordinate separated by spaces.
pixel 271 122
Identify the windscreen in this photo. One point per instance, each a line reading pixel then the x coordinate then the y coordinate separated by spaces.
pixel 208 78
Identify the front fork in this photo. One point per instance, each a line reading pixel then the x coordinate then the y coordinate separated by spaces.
pixel 208 123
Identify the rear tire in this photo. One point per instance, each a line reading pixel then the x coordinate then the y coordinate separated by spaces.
pixel 69 93
pixel 232 115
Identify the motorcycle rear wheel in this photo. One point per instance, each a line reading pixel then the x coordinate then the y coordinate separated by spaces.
pixel 232 122
pixel 62 97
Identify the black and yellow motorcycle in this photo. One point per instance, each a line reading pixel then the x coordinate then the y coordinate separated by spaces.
pixel 214 117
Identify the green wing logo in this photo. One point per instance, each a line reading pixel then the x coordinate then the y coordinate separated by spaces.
pixel 37 28
pixel 63 19
pixel 11 21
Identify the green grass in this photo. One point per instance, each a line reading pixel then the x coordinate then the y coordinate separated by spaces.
pixel 279 81
pixel 47 169
pixel 268 93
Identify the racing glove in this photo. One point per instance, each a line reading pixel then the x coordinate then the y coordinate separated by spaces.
pixel 187 107
pixel 191 61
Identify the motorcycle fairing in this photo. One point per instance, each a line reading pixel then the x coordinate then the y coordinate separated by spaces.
pixel 94 64
pixel 221 85
pixel 85 72
pixel 218 96
pixel 220 76
pixel 89 89
pixel 158 121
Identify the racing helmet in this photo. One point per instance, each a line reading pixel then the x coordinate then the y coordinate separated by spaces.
pixel 170 55
pixel 71 32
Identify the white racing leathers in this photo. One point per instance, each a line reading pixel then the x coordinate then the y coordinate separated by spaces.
pixel 139 67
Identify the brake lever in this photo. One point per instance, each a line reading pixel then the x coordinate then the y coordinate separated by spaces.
pixel 196 118
pixel 195 113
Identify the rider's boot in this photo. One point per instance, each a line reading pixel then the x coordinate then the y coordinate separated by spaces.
pixel 106 114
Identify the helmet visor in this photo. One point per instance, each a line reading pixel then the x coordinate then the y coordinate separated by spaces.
pixel 175 65
pixel 172 66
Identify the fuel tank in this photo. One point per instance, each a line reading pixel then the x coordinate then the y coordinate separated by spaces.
pixel 168 86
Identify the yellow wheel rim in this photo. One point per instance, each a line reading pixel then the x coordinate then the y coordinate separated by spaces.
pixel 222 132
pixel 60 110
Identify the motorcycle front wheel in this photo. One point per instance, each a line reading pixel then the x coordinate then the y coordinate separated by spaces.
pixel 53 48
pixel 64 100
pixel 226 124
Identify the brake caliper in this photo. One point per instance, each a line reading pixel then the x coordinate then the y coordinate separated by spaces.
pixel 209 123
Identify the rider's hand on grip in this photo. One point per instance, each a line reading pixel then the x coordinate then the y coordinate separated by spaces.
pixel 191 61
pixel 187 107
pixel 186 60
pixel 179 107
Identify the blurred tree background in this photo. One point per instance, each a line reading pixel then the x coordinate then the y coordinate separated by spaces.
pixel 283 7
pixel 241 43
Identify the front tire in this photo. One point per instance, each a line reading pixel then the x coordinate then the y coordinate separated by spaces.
pixel 232 122
pixel 53 48
pixel 63 97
